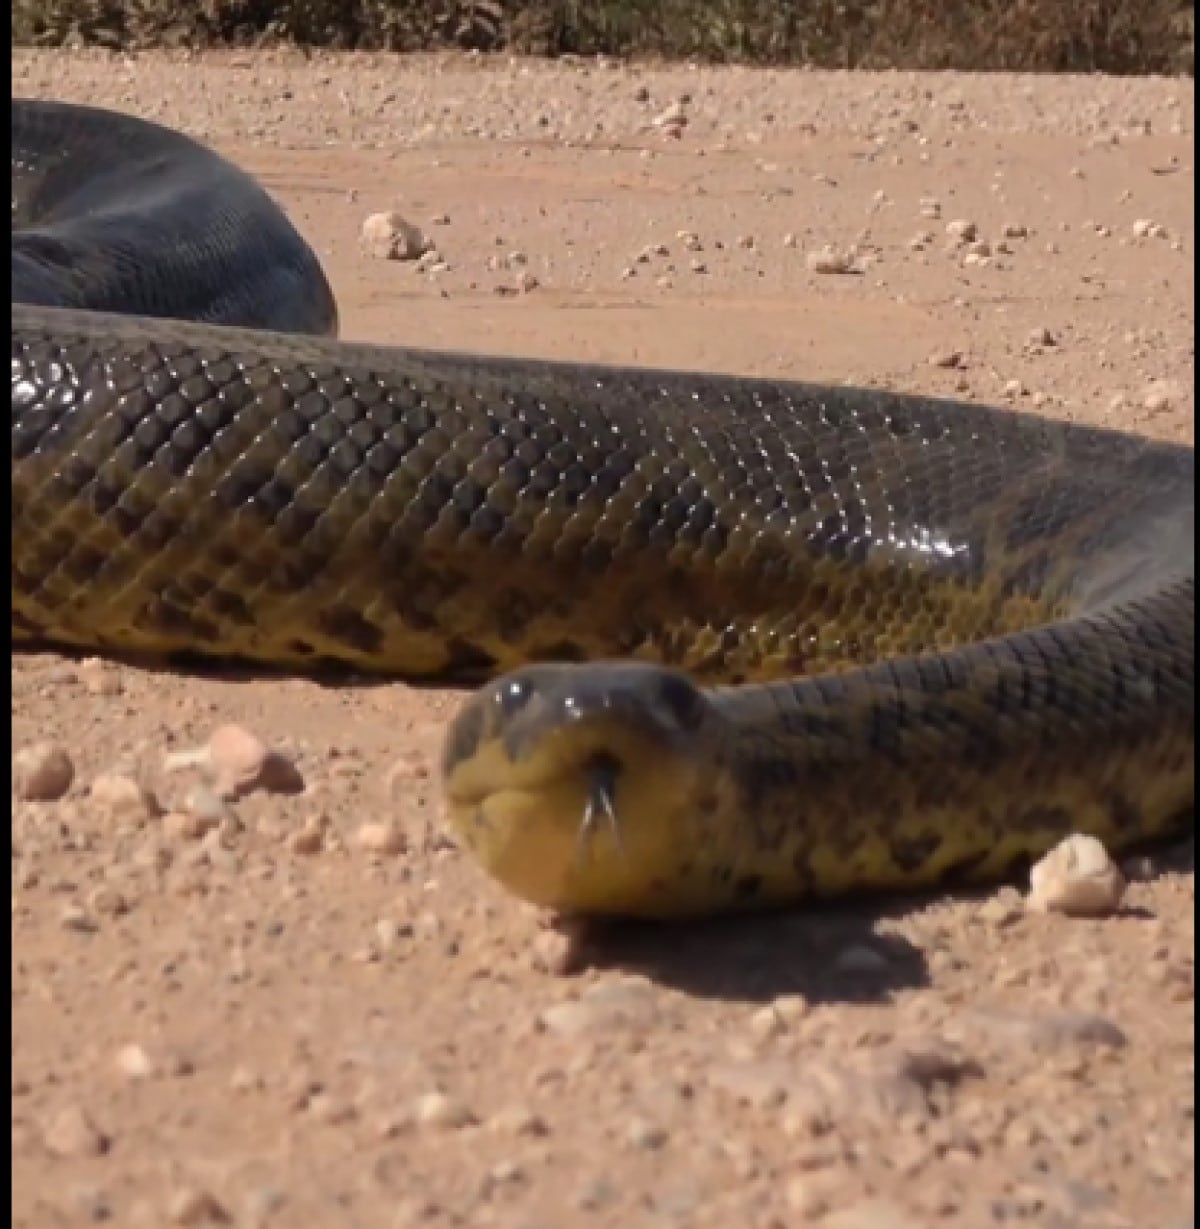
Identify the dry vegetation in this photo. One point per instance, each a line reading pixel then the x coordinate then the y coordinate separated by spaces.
pixel 1112 36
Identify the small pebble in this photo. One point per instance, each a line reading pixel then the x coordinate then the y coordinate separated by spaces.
pixel 76 918
pixel 99 677
pixel 187 826
pixel 1077 878
pixel 388 236
pixel 119 796
pixel 766 1022
pixel 107 901
pixel 831 260
pixel 239 763
pixel 205 803
pixel 431 261
pixel 647 1136
pixel 134 1062
pixel 72 1133
pixel 439 1110
pixel 873 1214
pixel 192 1205
pixel 308 840
pixel 518 1120
pixel 242 763
pixel 671 120
pixel 1002 909
pixel 1160 395
pixel 388 932
pixel 382 837
pixel 42 772
pixel 806 1195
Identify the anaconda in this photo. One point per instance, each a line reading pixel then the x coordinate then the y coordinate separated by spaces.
pixel 741 641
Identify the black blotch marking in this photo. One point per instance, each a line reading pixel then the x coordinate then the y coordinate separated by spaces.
pixel 887 727
pixel 160 616
pixel 758 778
pixel 1125 815
pixel 1042 819
pixel 559 650
pixel 968 867
pixel 348 627
pixel 803 872
pixel 83 563
pixel 468 661
pixel 912 853
pixel 748 887
pixel 232 607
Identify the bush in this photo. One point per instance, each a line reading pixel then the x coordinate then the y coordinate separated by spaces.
pixel 1113 36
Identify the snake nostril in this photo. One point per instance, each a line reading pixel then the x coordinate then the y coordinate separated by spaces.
pixel 682 699
pixel 512 695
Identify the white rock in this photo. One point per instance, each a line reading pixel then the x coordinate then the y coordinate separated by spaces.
pixel 1078 878
pixel 389 236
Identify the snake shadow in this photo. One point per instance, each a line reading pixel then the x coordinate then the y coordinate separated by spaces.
pixel 827 953
pixel 837 952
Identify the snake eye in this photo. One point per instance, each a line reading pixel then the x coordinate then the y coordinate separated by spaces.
pixel 512 695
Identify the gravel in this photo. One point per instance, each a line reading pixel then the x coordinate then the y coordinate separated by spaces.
pixel 253 980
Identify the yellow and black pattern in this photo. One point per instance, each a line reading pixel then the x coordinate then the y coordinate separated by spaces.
pixel 957 633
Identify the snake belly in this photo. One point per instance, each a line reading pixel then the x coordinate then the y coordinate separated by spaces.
pixel 741 641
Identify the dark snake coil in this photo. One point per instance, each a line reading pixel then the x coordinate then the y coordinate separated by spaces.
pixel 955 634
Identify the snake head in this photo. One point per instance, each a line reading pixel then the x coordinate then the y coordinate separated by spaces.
pixel 571 783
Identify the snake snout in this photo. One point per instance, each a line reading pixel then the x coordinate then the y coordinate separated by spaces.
pixel 577 711
pixel 603 702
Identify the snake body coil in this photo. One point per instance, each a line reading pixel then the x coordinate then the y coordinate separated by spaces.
pixel 942 636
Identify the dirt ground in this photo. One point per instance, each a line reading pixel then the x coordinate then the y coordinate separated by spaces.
pixel 310 1009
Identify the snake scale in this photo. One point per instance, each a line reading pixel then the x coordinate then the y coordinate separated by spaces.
pixel 741 642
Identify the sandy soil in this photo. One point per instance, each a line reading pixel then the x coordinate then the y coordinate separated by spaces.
pixel 262 1014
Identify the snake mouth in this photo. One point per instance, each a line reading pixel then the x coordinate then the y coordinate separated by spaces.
pixel 568 783
pixel 593 754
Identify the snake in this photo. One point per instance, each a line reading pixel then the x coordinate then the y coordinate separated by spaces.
pixel 733 643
